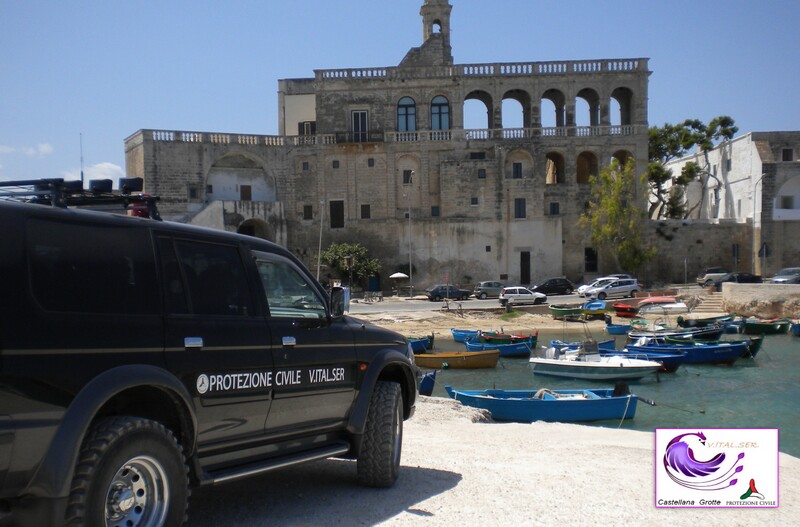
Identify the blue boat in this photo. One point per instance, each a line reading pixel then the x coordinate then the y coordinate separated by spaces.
pixel 618 329
pixel 427 382
pixel 609 344
pixel 461 335
pixel 795 329
pixel 594 308
pixel 721 352
pixel 517 349
pixel 419 345
pixel 564 406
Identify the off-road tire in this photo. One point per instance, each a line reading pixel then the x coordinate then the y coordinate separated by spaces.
pixel 379 460
pixel 131 472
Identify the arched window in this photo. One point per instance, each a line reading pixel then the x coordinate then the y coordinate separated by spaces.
pixel 440 113
pixel 406 115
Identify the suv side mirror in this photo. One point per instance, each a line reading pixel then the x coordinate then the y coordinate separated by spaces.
pixel 340 301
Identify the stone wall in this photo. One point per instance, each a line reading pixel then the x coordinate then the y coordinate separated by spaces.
pixel 762 300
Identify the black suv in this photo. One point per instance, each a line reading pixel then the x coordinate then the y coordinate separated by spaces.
pixel 139 358
pixel 554 286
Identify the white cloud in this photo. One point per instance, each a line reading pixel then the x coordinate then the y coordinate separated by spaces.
pixel 42 149
pixel 98 171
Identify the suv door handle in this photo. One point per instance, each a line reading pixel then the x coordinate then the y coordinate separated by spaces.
pixel 289 341
pixel 195 343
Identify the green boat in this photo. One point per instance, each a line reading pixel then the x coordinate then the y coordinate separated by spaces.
pixel 566 311
pixel 760 326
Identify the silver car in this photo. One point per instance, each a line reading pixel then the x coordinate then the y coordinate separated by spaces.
pixel 789 275
pixel 620 288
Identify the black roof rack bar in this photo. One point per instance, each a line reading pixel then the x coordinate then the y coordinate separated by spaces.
pixel 57 192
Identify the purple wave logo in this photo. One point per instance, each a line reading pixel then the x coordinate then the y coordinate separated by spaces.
pixel 686 470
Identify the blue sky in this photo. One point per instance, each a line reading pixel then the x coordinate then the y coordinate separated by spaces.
pixel 94 72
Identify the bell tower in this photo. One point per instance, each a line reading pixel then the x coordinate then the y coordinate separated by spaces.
pixel 436 24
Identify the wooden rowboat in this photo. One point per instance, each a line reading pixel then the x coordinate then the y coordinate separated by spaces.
pixel 566 310
pixel 458 359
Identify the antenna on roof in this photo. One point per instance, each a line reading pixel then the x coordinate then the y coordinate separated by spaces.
pixel 81 136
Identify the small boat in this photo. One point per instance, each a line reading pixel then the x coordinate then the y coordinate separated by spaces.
pixel 419 344
pixel 624 310
pixel 753 343
pixel 427 382
pixel 517 349
pixel 723 352
pixel 594 308
pixel 760 326
pixel 618 329
pixel 609 344
pixel 712 332
pixel 655 300
pixel 457 359
pixel 702 322
pixel 670 308
pixel 578 364
pixel 566 311
pixel 566 406
pixel 493 337
pixel 459 335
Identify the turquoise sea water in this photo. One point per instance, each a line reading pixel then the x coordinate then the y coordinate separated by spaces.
pixel 753 393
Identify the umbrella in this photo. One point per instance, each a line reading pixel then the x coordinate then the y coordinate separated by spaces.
pixel 398 276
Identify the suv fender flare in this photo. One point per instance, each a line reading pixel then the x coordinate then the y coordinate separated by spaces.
pixel 389 365
pixel 54 476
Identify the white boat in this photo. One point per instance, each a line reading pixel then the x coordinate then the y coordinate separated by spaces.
pixel 580 364
pixel 667 308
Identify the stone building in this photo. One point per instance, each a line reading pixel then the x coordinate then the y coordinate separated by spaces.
pixel 752 181
pixel 380 156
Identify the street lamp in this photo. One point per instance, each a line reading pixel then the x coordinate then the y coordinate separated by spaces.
pixel 319 246
pixel 410 273
pixel 754 254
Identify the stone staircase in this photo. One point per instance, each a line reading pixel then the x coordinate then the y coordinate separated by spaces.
pixel 711 304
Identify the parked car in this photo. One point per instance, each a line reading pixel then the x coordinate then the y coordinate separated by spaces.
pixel 595 283
pixel 620 275
pixel 488 289
pixel 619 287
pixel 789 275
pixel 440 291
pixel 738 278
pixel 707 276
pixel 554 286
pixel 520 295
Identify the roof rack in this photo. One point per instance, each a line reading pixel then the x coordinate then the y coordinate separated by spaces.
pixel 57 192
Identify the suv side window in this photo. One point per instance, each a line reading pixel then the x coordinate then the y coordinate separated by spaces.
pixel 215 278
pixel 91 269
pixel 288 293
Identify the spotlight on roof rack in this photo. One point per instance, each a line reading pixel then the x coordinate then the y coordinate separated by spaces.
pixel 73 186
pixel 99 186
pixel 128 185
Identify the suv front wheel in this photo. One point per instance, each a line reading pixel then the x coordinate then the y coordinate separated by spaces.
pixel 131 471
pixel 379 461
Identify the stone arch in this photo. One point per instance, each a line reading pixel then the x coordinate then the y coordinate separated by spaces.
pixel 622 156
pixel 555 167
pixel 587 167
pixel 560 103
pixel 239 176
pixel 524 100
pixel 592 99
pixel 624 98
pixel 525 161
pixel 488 103
pixel 257 228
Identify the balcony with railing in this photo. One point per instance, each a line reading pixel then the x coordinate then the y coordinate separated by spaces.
pixel 417 136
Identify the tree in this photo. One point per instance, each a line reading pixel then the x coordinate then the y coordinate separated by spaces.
pixel 614 217
pixel 352 260
pixel 674 141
